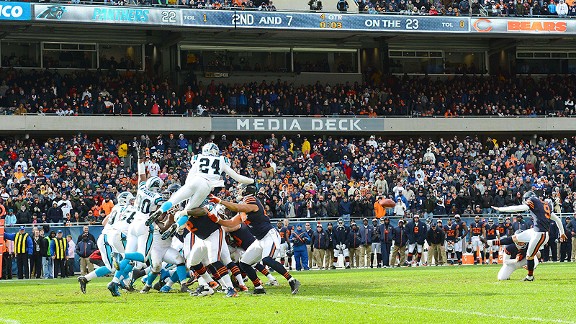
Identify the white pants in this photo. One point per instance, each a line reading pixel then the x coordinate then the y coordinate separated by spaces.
pixel 476 243
pixel 139 238
pixel 341 249
pixel 510 265
pixel 162 251
pixel 115 239
pixel 458 246
pixel 235 253
pixel 493 248
pixel 283 249
pixel 106 251
pixel 535 240
pixel 414 245
pixel 196 189
pixel 260 249
pixel 376 247
pixel 209 250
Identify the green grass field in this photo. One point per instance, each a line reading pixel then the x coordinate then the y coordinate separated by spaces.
pixel 465 294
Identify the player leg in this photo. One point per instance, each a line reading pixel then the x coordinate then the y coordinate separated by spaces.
pixel 157 251
pixel 250 257
pixel 215 243
pixel 411 247
pixel 194 262
pixel 106 252
pixel 226 258
pixel 269 245
pixel 335 258
pixel 172 256
pixel 536 242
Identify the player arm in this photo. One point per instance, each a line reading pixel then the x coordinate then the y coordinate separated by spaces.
pixel 141 166
pixel 231 229
pixel 238 177
pixel 512 209
pixel 163 226
pixel 233 222
pixel 558 222
pixel 239 208
pixel 105 220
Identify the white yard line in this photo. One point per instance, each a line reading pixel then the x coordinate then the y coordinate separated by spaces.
pixel 8 321
pixel 444 310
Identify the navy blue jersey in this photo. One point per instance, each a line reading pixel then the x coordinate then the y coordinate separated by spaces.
pixel 476 229
pixel 461 226
pixel 243 238
pixel 258 223
pixel 491 231
pixel 285 233
pixel 514 252
pixel 502 229
pixel 451 232
pixel 540 213
pixel 201 226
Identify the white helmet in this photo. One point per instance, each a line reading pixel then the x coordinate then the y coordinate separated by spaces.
pixel 124 198
pixel 210 149
pixel 154 184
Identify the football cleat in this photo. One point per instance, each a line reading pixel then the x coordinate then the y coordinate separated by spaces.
pixel 184 289
pixel 259 291
pixel 128 287
pixel 113 287
pixel 231 292
pixel 243 288
pixel 83 282
pixel 159 285
pixel 170 232
pixel 145 290
pixel 203 291
pixel 213 284
pixel 294 286
pixel 153 217
pixel 273 283
pixel 528 278
pixel 165 289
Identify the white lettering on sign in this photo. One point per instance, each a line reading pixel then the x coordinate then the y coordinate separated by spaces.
pixel 295 124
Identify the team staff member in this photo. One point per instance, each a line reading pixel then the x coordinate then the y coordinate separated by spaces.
pixel 365 251
pixel 23 246
pixel 300 240
pixel 320 243
pixel 58 249
pixel 36 257
pixel 330 246
pixel 386 237
pixel 435 237
pixel 309 247
pixel 400 238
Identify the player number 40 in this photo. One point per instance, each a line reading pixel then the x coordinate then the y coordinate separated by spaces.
pixel 412 24
pixel 168 17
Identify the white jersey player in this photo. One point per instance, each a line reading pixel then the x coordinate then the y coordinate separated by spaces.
pixel 205 174
pixel 107 240
pixel 139 238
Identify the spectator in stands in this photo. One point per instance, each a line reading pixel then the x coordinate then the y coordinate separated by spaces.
pixel 10 219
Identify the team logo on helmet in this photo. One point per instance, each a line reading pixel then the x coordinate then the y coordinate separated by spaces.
pixel 210 149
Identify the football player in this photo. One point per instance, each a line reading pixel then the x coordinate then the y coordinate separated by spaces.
pixel 205 174
pixel 265 247
pixel 514 258
pixel 139 239
pixel 451 230
pixel 491 233
pixel 476 231
pixel 536 237
pixel 106 241
pixel 162 250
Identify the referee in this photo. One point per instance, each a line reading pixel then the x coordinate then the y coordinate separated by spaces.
pixel 22 248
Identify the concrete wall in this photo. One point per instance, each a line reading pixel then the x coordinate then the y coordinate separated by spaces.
pixel 137 125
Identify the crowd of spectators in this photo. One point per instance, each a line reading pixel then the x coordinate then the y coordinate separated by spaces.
pixel 75 180
pixel 131 93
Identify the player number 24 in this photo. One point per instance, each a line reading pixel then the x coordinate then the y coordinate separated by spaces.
pixel 205 168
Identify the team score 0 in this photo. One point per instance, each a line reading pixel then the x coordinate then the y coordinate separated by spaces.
pixel 412 24
pixel 332 25
pixel 168 17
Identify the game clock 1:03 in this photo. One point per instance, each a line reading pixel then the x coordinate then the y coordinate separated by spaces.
pixel 331 21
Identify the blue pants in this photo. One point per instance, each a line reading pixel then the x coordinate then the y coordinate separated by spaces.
pixel 47 267
pixel 386 248
pixel 301 257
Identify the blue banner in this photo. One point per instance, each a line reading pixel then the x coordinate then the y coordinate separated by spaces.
pixel 323 21
pixel 15 11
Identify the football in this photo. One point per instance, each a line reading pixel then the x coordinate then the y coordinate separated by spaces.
pixel 388 203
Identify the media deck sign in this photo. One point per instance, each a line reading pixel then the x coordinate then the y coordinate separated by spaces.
pixel 297 124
